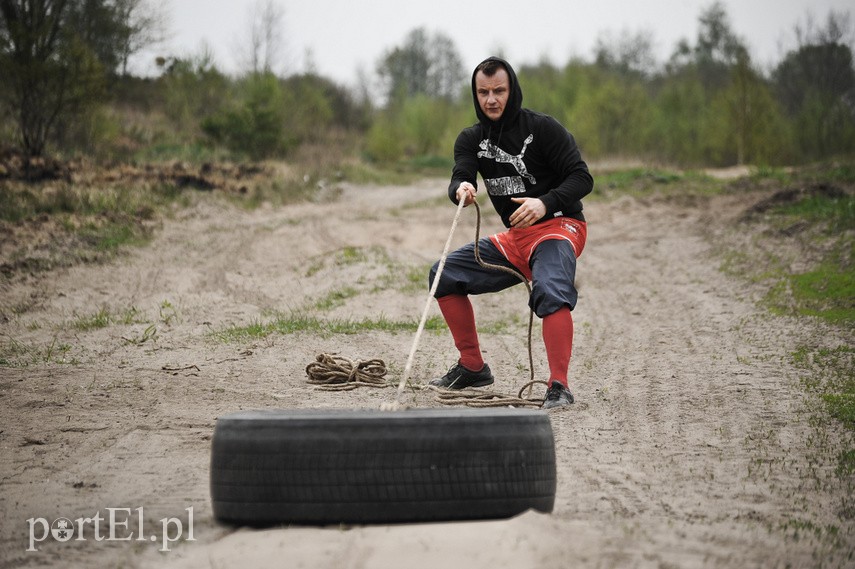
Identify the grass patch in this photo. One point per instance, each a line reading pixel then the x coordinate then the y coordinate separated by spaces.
pixel 799 529
pixel 795 246
pixel 801 246
pixel 841 406
pixel 171 151
pixel 105 209
pixel 350 256
pixel 827 292
pixel 167 312
pixel 415 278
pixel 108 236
pixel 834 213
pixel 832 375
pixel 14 353
pixel 641 182
pixel 64 224
pixel 347 256
pixel 281 191
pixel 336 298
pixel 846 463
pixel 133 315
pixel 834 171
pixel 147 335
pixel 100 319
pixel 361 172
pixel 17 354
pixel 432 164
pixel 301 323
pixel 23 201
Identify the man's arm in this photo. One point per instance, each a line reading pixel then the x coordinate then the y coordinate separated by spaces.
pixel 564 154
pixel 465 173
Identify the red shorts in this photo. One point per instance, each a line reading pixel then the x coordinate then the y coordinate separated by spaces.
pixel 517 245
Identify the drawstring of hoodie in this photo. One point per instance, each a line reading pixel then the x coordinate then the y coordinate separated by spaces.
pixel 490 133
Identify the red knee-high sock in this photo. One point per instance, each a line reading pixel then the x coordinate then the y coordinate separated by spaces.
pixel 558 338
pixel 460 317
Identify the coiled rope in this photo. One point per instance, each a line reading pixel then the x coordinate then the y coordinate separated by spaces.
pixel 336 373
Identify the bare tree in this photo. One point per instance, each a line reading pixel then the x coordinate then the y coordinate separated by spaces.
pixel 144 24
pixel 837 30
pixel 265 41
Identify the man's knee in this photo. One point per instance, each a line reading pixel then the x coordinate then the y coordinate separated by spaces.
pixel 548 298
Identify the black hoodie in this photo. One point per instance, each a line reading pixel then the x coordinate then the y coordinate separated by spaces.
pixel 523 154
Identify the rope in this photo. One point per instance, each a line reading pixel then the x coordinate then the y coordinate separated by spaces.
pixel 408 367
pixel 336 373
pixel 515 273
pixel 481 398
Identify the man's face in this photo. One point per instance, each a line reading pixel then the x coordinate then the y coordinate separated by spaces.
pixel 493 93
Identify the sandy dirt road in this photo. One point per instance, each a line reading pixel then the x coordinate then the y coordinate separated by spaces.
pixel 690 444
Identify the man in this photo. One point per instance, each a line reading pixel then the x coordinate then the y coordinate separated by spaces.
pixel 536 179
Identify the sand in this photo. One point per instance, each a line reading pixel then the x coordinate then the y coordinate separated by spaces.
pixel 690 444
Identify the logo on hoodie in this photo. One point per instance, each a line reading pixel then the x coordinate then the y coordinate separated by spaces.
pixel 509 185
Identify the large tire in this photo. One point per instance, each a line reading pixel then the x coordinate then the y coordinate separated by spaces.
pixel 329 467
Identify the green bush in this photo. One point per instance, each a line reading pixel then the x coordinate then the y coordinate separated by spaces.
pixel 255 125
pixel 416 127
pixel 383 140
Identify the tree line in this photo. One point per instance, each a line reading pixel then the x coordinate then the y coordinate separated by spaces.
pixel 67 91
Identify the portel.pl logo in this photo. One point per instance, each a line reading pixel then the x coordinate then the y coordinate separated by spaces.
pixel 120 524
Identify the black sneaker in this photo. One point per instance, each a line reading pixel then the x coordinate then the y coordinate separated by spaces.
pixel 557 396
pixel 459 377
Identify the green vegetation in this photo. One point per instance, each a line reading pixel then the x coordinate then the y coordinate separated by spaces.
pixel 829 373
pixel 97 219
pixel 709 104
pixel 22 202
pixel 100 319
pixel 641 182
pixel 18 354
pixel 802 245
pixel 832 376
pixel 297 322
pixel 335 298
pixel 801 251
pixel 827 290
pixel 834 213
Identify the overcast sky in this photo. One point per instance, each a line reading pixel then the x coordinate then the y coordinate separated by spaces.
pixel 339 37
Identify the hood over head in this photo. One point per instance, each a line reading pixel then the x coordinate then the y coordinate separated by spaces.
pixel 515 97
